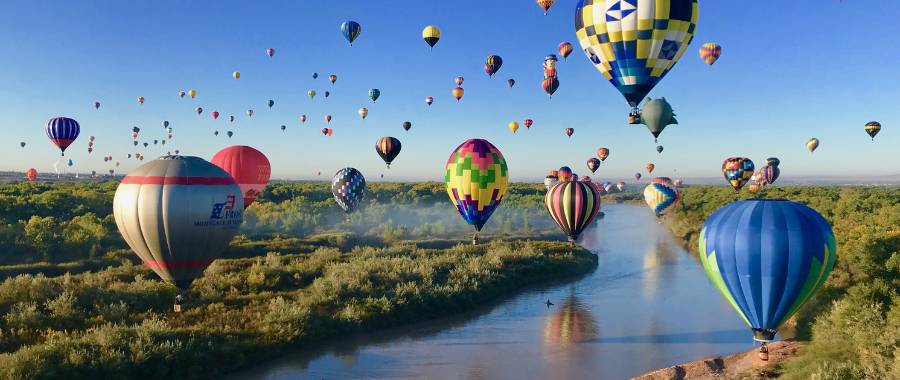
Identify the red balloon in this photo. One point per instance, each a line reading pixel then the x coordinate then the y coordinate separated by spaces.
pixel 31 174
pixel 249 168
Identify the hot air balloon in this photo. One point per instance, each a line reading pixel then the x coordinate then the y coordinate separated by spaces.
pixel 270 103
pixel 96 105
pixel 635 71
pixel 350 30
pixel 349 189
pixel 774 161
pixel 283 127
pixel 363 112
pixel 22 144
pixel 249 113
pixel 388 148
pixel 637 176
pixel 545 5
pixel 311 94
pixel 459 80
pixel 872 128
pixel 236 75
pixel 229 134
pixel 216 132
pixel 407 125
pixel 511 82
pixel 429 100
pixel 565 48
pixel 181 93
pixel 62 132
pixel 332 78
pixel 659 149
pixel 767 258
pixel 650 167
pixel 315 75
pixel 569 131
pixel 374 94
pixel 550 180
pixel 270 52
pixel 812 144
pixel 31 174
pixel 141 100
pixel 327 94
pixel 303 118
pixel 550 85
pixel 214 114
pixel 564 174
pixel 477 178
pixel 620 185
pixel 528 123
pixel 431 34
pixel 492 64
pixel 737 171
pixel 768 174
pixel 573 206
pixel 710 52
pixel 165 124
pixel 327 131
pixel 656 115
pixel 199 110
pixel 550 64
pixel 593 164
pixel 192 94
pixel 513 126
pixel 178 214
pixel 458 93
pixel 661 194
pixel 602 153
pixel 327 118
pixel 249 168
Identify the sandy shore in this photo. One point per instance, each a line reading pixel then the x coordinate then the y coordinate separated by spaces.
pixel 744 365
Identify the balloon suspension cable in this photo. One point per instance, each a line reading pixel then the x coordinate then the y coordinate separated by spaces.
pixel 475 238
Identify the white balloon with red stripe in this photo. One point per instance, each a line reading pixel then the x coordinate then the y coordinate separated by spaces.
pixel 178 213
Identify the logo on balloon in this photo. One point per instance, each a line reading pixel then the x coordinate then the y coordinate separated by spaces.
pixel 225 210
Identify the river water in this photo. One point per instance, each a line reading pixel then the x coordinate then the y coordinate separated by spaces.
pixel 648 305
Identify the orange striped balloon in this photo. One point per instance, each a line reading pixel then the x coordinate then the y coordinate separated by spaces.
pixel 573 206
pixel 710 52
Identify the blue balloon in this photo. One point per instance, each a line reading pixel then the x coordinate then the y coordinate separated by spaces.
pixel 350 30
pixel 62 131
pixel 767 258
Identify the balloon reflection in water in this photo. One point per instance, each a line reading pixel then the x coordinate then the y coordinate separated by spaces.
pixel 571 323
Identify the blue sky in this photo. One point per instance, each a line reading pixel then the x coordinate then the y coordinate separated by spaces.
pixel 789 71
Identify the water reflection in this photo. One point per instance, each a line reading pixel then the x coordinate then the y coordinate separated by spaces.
pixel 571 323
pixel 657 258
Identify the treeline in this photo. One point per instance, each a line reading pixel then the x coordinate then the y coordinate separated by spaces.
pixel 853 323
pixel 65 222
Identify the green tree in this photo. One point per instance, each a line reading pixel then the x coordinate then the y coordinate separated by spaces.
pixel 44 235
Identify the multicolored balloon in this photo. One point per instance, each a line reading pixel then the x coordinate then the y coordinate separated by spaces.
pixel 477 178
pixel 782 247
pixel 545 5
pixel 637 176
pixel 528 123
pixel 270 52
pixel 199 110
pixel 249 167
pixel 492 64
pixel 620 185
pixel 603 153
pixel 431 34
pixel 429 100
pixel 459 80
pixel 737 171
pixel 661 194
pixel 406 125
pixel 303 118
pixel 634 72
pixel 812 144
pixel 332 78
pixel 564 174
pixel 458 93
pixel 550 85
pixel 349 189
pixel 569 131
pixel 573 205
pixel 327 131
pixel 350 30
pixel 768 174
pixel 649 167
pixel 388 148
pixel 593 164
pixel 564 49
pixel 710 52
pixel 141 100
pixel 236 75
pixel 374 93
pixel 62 132
pixel 178 214
pixel 872 128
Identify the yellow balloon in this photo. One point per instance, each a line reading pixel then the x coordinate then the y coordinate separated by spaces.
pixel 236 75
pixel 431 34
pixel 513 126
pixel 192 93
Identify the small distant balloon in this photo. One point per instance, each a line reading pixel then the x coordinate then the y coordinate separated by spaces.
pixel 429 100
pixel 458 93
pixel 812 144
pixel 236 75
pixel 192 94
pixel 528 123
pixel 350 30
pixel 96 105
pixel 659 149
pixel 270 52
pixel 545 5
pixel 363 112
pixel 565 48
pixel 513 126
pixel 374 93
pixel 569 131
pixel 270 103
pixel 431 34
pixel 332 78
pixel 511 82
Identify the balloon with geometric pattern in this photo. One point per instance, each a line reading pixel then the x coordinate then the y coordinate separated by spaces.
pixel 710 52
pixel 349 189
pixel 477 178
pixel 573 205
pixel 661 194
pixel 872 128
pixel 737 171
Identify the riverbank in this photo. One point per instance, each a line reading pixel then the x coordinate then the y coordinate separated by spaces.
pixel 117 322
pixel 742 365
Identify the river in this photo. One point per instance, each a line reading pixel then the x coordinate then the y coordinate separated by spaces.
pixel 647 305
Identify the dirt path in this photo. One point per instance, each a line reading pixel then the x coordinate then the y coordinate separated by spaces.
pixel 744 365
